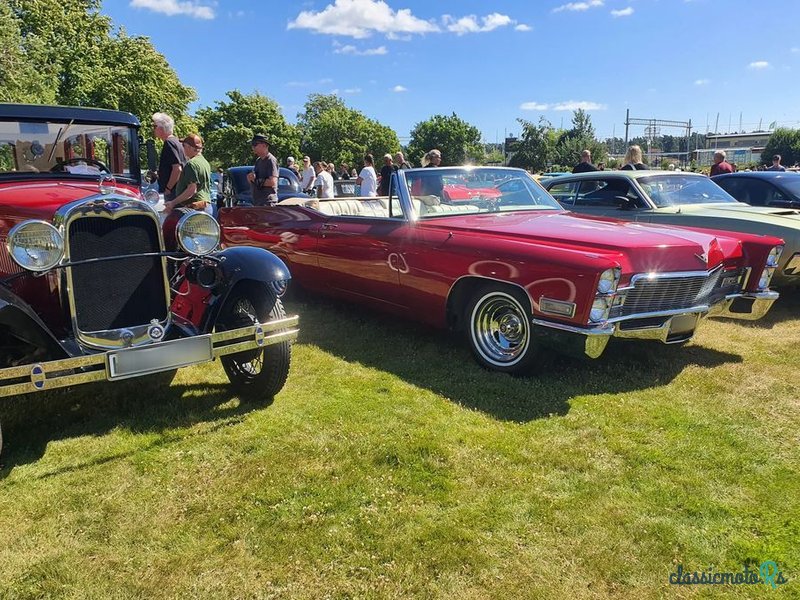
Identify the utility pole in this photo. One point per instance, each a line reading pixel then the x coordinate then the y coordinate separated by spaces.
pixel 627 122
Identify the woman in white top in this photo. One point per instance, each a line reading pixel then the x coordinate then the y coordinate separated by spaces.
pixel 368 179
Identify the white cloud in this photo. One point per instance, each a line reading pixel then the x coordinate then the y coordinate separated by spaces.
pixel 578 6
pixel 794 50
pixel 399 88
pixel 325 81
pixel 360 19
pixel 759 64
pixel 533 106
pixel 522 27
pixel 702 81
pixel 352 91
pixel 469 24
pixel 352 50
pixel 623 12
pixel 190 8
pixel 572 105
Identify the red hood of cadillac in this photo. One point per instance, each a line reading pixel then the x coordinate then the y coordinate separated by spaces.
pixel 647 248
pixel 20 201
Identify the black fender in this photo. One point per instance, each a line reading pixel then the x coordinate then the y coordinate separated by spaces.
pixel 243 264
pixel 19 319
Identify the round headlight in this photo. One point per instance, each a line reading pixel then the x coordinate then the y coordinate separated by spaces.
pixel 151 197
pixel 766 275
pixel 35 245
pixel 774 256
pixel 599 310
pixel 198 233
pixel 608 281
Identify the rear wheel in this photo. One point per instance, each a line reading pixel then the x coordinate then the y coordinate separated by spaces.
pixel 499 330
pixel 256 374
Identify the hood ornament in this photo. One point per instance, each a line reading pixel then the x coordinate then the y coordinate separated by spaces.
pixel 703 258
pixel 108 184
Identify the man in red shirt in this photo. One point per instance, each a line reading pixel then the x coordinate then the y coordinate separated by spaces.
pixel 720 166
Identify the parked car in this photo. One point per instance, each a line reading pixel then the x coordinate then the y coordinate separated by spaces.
pixel 679 198
pixel 762 188
pixel 516 272
pixel 346 188
pixel 89 291
pixel 237 190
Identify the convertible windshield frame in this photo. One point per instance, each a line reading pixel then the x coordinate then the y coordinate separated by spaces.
pixel 682 190
pixel 441 192
pixel 68 149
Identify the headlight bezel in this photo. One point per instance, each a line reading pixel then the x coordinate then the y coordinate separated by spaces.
pixel 183 233
pixel 609 281
pixel 13 235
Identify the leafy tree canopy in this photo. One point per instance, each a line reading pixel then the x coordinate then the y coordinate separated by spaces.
pixel 80 61
pixel 785 142
pixel 228 127
pixel 331 131
pixel 458 141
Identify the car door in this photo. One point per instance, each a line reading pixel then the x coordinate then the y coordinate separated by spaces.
pixel 357 251
pixel 606 197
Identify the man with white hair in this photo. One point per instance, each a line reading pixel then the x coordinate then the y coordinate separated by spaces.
pixel 720 165
pixel 172 159
pixel 291 166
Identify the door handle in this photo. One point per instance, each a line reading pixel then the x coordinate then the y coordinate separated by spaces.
pixel 329 226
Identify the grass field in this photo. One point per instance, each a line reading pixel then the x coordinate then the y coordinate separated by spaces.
pixel 391 466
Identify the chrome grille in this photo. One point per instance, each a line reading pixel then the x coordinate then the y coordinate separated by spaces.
pixel 124 292
pixel 663 293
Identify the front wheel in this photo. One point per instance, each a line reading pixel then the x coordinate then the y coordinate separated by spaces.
pixel 261 373
pixel 499 330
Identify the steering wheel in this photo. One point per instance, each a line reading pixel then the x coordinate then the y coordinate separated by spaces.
pixel 59 166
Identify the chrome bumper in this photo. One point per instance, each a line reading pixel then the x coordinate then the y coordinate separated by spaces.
pixel 677 325
pixel 152 358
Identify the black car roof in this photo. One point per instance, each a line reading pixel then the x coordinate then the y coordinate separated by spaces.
pixel 42 112
pixel 759 174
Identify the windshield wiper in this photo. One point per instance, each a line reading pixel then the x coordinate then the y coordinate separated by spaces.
pixel 61 131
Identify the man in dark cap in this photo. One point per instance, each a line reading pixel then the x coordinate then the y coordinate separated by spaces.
pixel 264 177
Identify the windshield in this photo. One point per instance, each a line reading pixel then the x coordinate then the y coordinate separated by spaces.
pixel 438 192
pixel 792 185
pixel 70 149
pixel 675 190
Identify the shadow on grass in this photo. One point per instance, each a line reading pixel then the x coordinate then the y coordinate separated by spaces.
pixel 441 362
pixel 140 406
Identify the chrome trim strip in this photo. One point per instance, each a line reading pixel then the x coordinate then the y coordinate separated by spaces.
pixel 37 373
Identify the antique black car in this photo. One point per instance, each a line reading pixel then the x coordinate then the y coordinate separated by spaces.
pixel 90 288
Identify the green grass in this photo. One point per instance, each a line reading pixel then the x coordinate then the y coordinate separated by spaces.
pixel 391 466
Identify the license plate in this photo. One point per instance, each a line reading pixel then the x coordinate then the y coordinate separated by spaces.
pixel 133 362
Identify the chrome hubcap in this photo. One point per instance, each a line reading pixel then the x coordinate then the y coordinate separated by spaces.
pixel 500 329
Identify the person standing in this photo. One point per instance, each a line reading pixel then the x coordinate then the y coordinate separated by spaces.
pixel 368 179
pixel 585 166
pixel 332 171
pixel 193 189
pixel 720 165
pixel 433 158
pixel 343 173
pixel 292 167
pixel 323 184
pixel 307 179
pixel 776 164
pixel 633 160
pixel 400 161
pixel 264 176
pixel 386 175
pixel 172 158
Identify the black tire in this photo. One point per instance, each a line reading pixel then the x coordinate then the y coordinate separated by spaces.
pixel 498 329
pixel 256 375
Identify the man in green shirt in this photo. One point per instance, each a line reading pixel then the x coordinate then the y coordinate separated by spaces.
pixel 193 189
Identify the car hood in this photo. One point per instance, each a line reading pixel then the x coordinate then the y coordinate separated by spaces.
pixel 41 200
pixel 645 247
pixel 768 214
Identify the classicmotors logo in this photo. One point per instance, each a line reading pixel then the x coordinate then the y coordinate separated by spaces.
pixel 768 573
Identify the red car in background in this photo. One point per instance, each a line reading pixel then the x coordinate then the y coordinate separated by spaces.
pixel 511 268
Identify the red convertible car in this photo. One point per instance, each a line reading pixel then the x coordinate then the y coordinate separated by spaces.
pixel 512 269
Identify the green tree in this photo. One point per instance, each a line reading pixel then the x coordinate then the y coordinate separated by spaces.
pixel 459 141
pixel 20 79
pixel 536 146
pixel 228 127
pixel 332 131
pixel 577 139
pixel 82 62
pixel 785 142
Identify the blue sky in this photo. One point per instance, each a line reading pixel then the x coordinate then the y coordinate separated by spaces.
pixel 401 61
